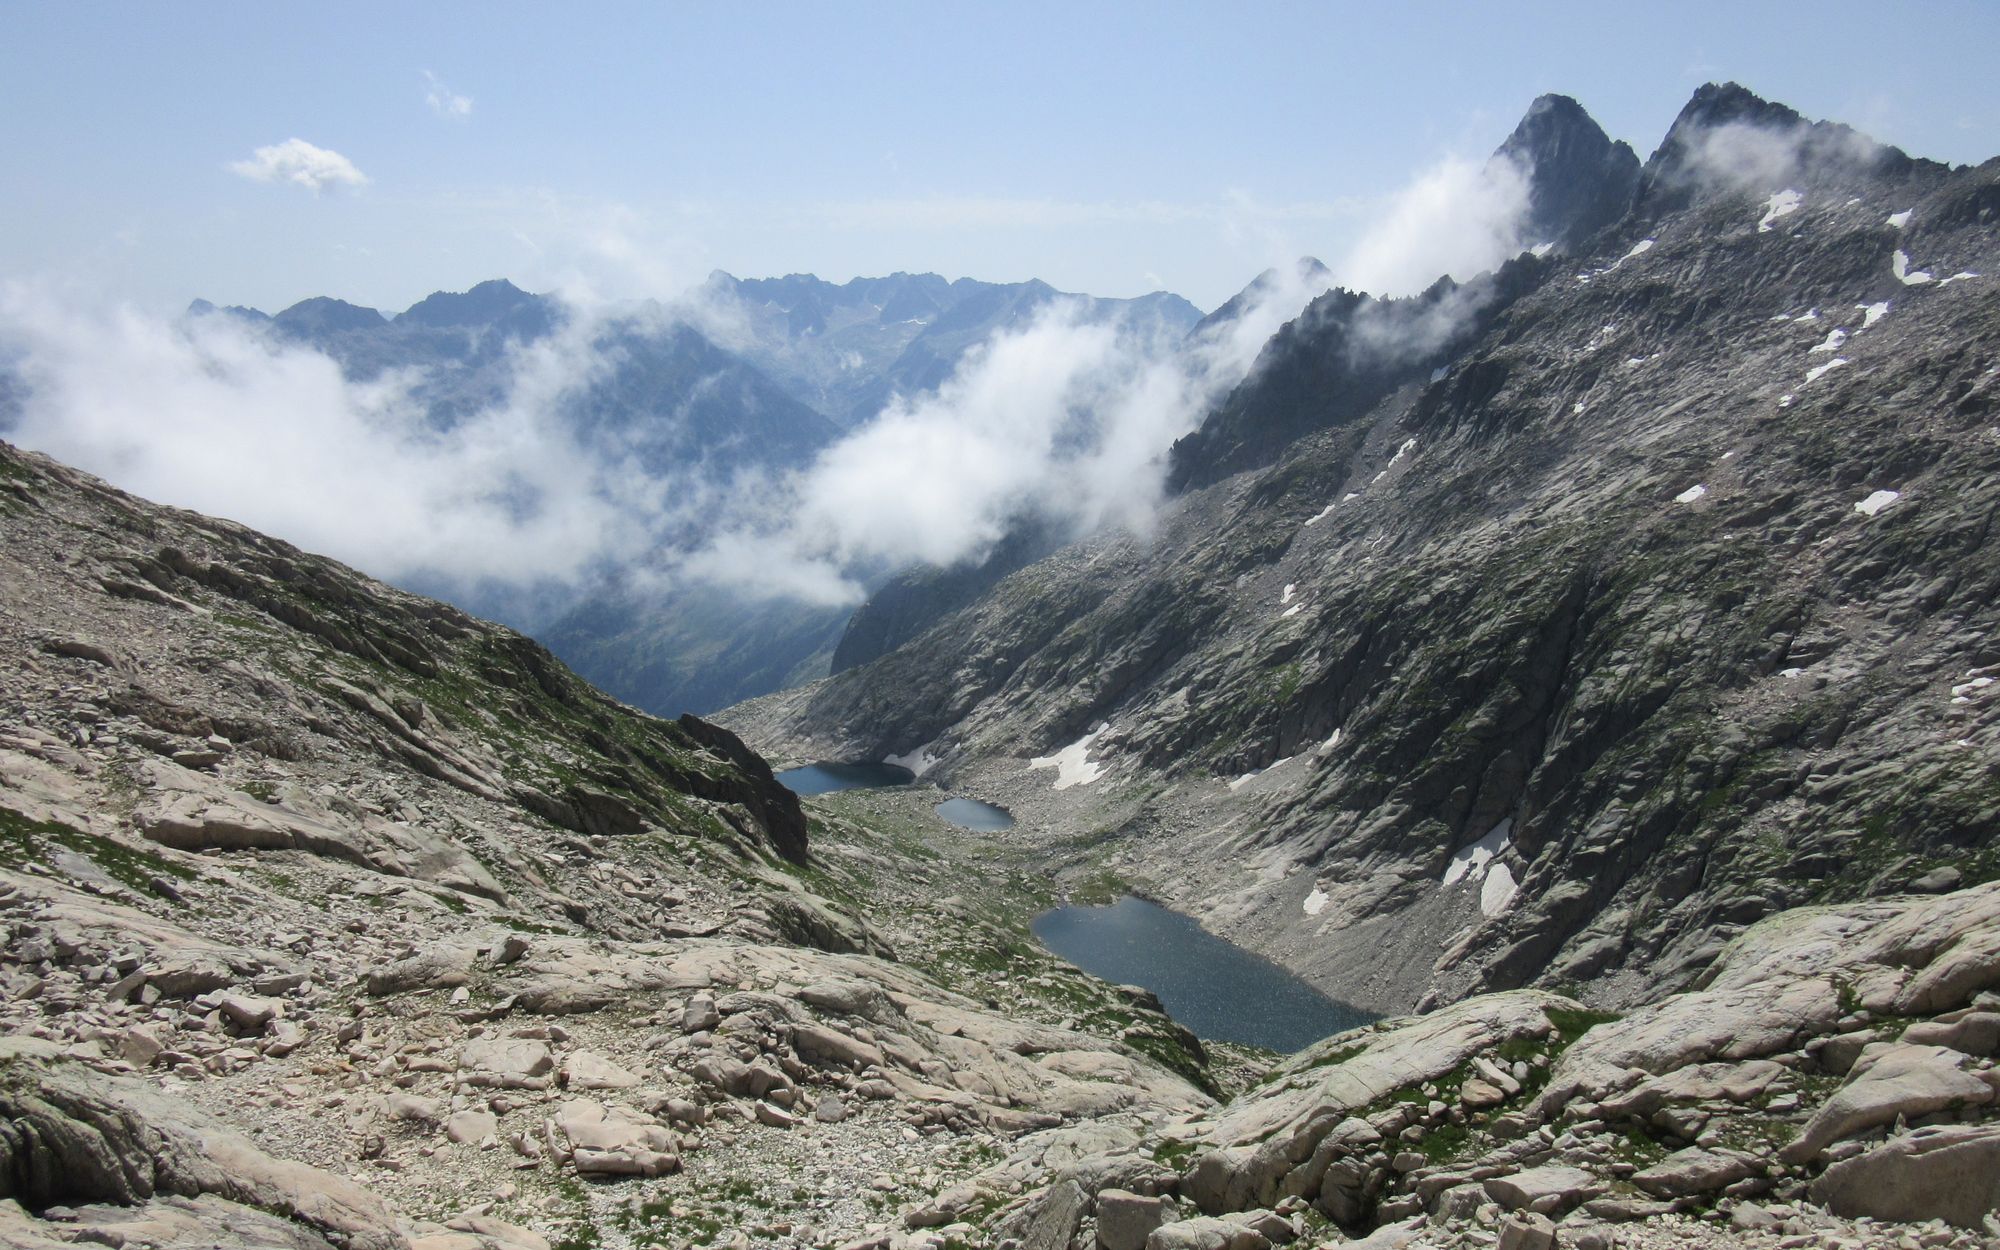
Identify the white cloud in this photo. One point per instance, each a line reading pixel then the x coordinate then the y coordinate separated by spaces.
pixel 1064 419
pixel 1461 218
pixel 1742 156
pixel 295 160
pixel 445 102
pixel 212 414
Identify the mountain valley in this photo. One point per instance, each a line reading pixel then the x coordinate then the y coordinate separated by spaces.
pixel 1585 670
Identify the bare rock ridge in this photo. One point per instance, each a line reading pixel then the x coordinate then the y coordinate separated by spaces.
pixel 1653 597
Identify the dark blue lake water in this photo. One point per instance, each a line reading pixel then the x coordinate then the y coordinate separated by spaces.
pixel 974 815
pixel 826 778
pixel 1219 991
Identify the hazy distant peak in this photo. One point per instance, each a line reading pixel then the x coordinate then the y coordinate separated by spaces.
pixel 202 308
pixel 488 303
pixel 323 313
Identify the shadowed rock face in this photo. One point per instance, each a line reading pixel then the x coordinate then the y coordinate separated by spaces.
pixel 1666 577
pixel 774 809
pixel 1580 180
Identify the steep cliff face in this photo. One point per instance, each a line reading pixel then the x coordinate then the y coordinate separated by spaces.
pixel 1663 601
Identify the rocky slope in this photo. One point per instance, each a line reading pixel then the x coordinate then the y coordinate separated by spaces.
pixel 1658 599
pixel 1829 1083
pixel 334 916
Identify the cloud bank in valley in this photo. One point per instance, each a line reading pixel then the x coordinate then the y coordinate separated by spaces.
pixel 1063 419
pixel 214 414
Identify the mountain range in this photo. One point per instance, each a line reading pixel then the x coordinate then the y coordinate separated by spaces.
pixel 1585 670
pixel 1645 582
pixel 753 376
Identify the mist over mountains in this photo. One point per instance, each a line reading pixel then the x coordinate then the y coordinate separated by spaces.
pixel 1564 629
pixel 688 499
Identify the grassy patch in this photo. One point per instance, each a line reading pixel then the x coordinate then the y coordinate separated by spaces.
pixel 24 841
pixel 1101 887
pixel 1572 1023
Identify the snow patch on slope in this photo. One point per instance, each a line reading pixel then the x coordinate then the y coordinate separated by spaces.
pixel 1471 859
pixel 919 761
pixel 1073 764
pixel 1899 264
pixel 1877 501
pixel 1783 204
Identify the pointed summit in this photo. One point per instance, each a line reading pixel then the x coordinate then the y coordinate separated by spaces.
pixel 1308 274
pixel 1580 180
pixel 324 315
pixel 496 302
pixel 1728 139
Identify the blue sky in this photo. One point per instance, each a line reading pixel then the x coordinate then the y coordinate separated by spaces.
pixel 628 149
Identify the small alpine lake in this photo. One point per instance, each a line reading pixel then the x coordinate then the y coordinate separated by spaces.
pixel 975 815
pixel 827 778
pixel 1219 991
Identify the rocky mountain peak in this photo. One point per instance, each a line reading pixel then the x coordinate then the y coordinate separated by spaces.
pixel 1728 140
pixel 490 303
pixel 1580 179
pixel 322 314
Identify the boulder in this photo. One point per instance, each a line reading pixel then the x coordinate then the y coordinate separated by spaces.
pixel 467 1127
pixel 830 1046
pixel 612 1141
pixel 1527 1232
pixel 248 1013
pixel 1049 1220
pixel 700 1014
pixel 1125 1219
pixel 1206 1232
pixel 944 1208
pixel 438 968
pixel 1950 1172
pixel 589 1070
pixel 77 1136
pixel 188 978
pixel 850 998
pixel 413 1108
pixel 1891 1079
pixel 561 996
pixel 723 1074
pixel 507 1063
pixel 1546 1190
pixel 1974 1033
pixel 1696 1170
